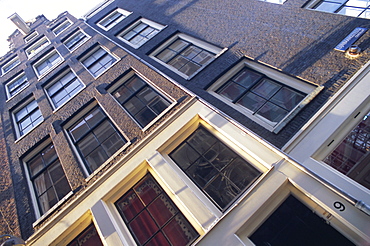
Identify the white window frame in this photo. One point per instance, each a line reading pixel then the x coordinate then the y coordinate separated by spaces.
pixel 19 76
pixel 124 14
pixel 150 23
pixel 43 59
pixel 60 26
pixel 274 1
pixel 30 37
pixel 55 80
pixel 86 56
pixel 34 199
pixel 302 86
pixel 151 85
pixel 75 119
pixel 15 60
pixel 79 43
pixel 37 47
pixel 15 122
pixel 197 42
pixel 314 3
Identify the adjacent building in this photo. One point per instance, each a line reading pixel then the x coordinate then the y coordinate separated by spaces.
pixel 188 123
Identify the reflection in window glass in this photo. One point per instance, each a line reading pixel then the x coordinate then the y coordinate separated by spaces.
pixel 152 217
pixel 17 85
pixel 96 138
pixel 48 178
pixel 214 167
pixel 142 102
pixel 355 8
pixel 351 157
pixel 263 96
pixel 27 117
pixel 63 89
pixel 98 61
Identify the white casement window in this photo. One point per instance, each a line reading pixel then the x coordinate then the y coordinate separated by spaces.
pixel 265 95
pixel 48 183
pixel 88 236
pixel 353 8
pixel 142 102
pixel 113 18
pixel 16 85
pixel 75 40
pixel 58 29
pixel 97 61
pixel 63 88
pixel 10 65
pixel 95 137
pixel 47 63
pixel 140 32
pixel 30 37
pixel 26 117
pixel 186 55
pixel 37 47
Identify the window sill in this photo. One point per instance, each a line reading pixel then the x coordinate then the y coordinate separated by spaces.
pixel 52 209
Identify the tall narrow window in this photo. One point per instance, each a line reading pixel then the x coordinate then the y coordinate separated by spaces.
pixel 96 138
pixel 113 19
pixel 63 88
pixel 30 37
pixel 142 102
pixel 98 61
pixel 152 217
pixel 47 63
pixel 89 237
pixel 214 167
pixel 352 156
pixel 48 178
pixel 16 85
pixel 27 117
pixel 140 32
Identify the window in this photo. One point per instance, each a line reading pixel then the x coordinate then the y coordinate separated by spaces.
pixel 95 138
pixel 294 224
pixel 16 85
pixel 214 167
pixel 63 88
pixel 27 117
pixel 186 55
pixel 76 39
pixel 263 94
pixel 37 47
pixel 30 37
pixel 140 32
pixel 89 237
pixel 61 27
pixel 113 18
pixel 98 61
pixel 346 7
pixel 47 63
pixel 140 100
pixel 151 216
pixel 274 1
pixel 48 178
pixel 351 157
pixel 10 65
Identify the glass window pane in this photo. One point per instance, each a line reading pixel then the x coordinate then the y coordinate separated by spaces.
pixel 143 233
pixel 35 165
pixel 179 231
pixel 287 98
pixel 350 11
pixel 130 205
pixel 88 144
pixel 328 7
pixel 190 68
pixel 185 156
pixel 166 55
pixel 162 210
pixel 231 91
pixel 96 158
pixel 251 101
pixel 272 112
